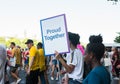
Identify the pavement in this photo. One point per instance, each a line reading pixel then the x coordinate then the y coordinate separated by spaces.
pixel 22 75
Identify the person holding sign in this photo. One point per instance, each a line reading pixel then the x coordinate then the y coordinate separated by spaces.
pixel 74 66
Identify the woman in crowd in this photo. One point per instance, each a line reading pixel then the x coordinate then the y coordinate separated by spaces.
pixel 115 61
pixel 93 54
pixel 54 65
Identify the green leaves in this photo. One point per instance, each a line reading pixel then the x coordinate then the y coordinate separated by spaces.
pixel 117 39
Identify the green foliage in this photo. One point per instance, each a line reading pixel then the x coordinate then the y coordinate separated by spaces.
pixel 18 41
pixel 2 40
pixel 117 39
pixel 13 39
pixel 113 0
pixel 23 45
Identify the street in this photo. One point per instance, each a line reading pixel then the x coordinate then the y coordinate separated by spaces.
pixel 22 75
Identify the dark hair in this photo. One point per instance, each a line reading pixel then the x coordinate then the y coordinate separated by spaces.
pixel 39 45
pixel 96 46
pixel 74 38
pixel 13 43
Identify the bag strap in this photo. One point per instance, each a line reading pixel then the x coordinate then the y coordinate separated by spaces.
pixel 72 55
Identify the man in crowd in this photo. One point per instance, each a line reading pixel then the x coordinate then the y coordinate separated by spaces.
pixel 33 69
pixel 74 65
pixel 41 63
pixel 15 61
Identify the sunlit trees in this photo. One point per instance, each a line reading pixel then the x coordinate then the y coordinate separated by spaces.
pixel 2 40
pixel 20 42
pixel 13 39
pixel 117 39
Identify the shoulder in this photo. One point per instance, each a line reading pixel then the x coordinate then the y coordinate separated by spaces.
pixel 33 48
pixel 100 70
pixel 14 48
pixel 92 78
pixel 95 75
pixel 78 53
pixel 41 50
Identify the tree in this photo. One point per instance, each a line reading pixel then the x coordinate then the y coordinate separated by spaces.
pixel 117 39
pixel 113 0
pixel 35 42
pixel 23 45
pixel 2 40
pixel 13 39
pixel 18 41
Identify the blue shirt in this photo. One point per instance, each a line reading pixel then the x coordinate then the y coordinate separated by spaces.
pixel 98 75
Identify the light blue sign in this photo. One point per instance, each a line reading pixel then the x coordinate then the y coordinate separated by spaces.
pixel 54 34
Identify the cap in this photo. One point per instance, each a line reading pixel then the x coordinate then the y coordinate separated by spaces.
pixel 29 41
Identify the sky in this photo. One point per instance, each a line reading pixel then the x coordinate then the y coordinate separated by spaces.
pixel 20 18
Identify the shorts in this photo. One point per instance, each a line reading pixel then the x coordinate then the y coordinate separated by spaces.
pixel 54 62
pixel 17 65
pixel 13 69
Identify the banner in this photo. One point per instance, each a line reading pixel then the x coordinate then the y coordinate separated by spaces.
pixel 54 34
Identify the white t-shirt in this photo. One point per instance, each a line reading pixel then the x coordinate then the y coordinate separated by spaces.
pixel 78 62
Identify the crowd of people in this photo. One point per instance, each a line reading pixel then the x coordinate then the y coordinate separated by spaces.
pixel 82 65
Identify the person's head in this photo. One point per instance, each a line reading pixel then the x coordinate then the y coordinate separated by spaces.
pixel 95 49
pixel 119 50
pixel 18 46
pixel 39 45
pixel 73 39
pixel 29 43
pixel 114 53
pixel 114 50
pixel 12 45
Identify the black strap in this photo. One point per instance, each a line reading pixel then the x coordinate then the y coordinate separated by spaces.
pixel 72 54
